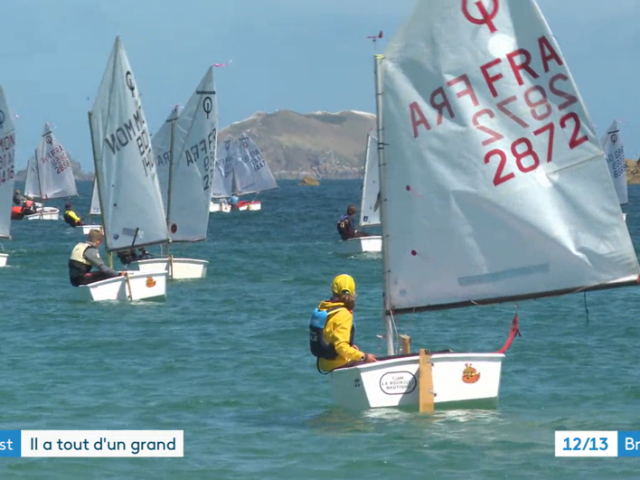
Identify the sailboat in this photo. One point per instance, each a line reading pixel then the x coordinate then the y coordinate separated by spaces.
pixel 223 178
pixel 94 210
pixel 370 204
pixel 7 170
pixel 49 175
pixel 125 172
pixel 467 189
pixel 252 173
pixel 614 151
pixel 187 140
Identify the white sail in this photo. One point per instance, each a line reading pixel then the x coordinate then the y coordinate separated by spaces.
pixel 7 165
pixel 252 173
pixel 161 144
pixel 54 168
pixel 224 173
pixel 192 164
pixel 493 172
pixel 94 209
pixel 614 150
pixel 370 207
pixel 130 199
pixel 32 182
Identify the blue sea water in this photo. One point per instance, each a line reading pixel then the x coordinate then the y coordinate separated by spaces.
pixel 226 360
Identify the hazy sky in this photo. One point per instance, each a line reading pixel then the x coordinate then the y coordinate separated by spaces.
pixel 303 55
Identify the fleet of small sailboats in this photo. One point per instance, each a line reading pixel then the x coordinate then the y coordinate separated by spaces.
pixel 242 171
pixel 458 232
pixel 49 175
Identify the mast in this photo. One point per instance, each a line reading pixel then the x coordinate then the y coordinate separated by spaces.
pixel 38 174
pixel 388 320
pixel 96 178
pixel 173 122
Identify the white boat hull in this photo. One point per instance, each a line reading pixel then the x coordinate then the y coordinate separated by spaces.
pixel 371 244
pixel 178 269
pixel 140 286
pixel 255 206
pixel 394 382
pixel 45 213
pixel 219 207
pixel 87 228
pixel 3 259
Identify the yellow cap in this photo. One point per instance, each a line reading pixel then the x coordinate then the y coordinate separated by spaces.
pixel 344 284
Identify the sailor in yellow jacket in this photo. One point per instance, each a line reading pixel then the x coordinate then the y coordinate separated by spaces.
pixel 332 329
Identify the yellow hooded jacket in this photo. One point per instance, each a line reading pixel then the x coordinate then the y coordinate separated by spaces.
pixel 337 332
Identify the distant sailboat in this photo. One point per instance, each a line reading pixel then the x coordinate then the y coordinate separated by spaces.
pixel 187 141
pixel 370 204
pixel 252 173
pixel 7 170
pixel 49 175
pixel 223 178
pixel 94 210
pixel 614 151
pixel 125 170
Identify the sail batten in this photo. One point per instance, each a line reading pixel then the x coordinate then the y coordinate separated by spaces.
pixel 490 155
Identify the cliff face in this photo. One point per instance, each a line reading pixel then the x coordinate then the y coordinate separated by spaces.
pixel 633 171
pixel 320 145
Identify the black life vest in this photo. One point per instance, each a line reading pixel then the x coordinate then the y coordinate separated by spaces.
pixel 344 226
pixel 317 344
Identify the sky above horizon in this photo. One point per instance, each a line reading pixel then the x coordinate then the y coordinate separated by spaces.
pixel 301 55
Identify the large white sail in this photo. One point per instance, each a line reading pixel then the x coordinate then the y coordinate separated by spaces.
pixel 252 173
pixel 130 199
pixel 161 144
pixel 94 209
pixel 192 164
pixel 32 181
pixel 224 172
pixel 493 172
pixel 614 150
pixel 370 207
pixel 7 165
pixel 54 168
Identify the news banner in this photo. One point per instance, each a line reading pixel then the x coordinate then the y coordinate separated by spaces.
pixel 91 443
pixel 597 444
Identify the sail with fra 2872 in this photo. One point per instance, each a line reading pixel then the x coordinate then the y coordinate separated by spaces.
pixel 491 156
